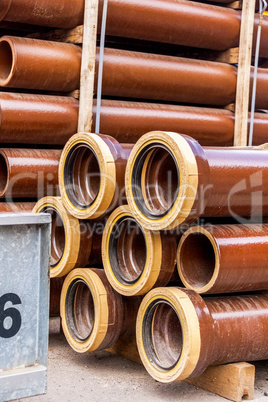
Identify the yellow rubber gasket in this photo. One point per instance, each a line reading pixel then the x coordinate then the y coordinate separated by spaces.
pixel 191 334
pixel 152 267
pixel 72 235
pixel 107 176
pixel 188 169
pixel 101 312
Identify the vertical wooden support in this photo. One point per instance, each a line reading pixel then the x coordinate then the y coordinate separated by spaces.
pixel 243 74
pixel 88 65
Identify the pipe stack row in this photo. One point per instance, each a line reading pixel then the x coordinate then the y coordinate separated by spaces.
pixel 124 234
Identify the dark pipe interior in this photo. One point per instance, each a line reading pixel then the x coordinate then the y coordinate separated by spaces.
pixel 197 259
pixel 82 176
pixel 3 174
pixel 162 335
pixel 6 58
pixel 79 310
pixel 127 250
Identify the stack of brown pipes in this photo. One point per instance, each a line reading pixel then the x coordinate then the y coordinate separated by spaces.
pixel 125 246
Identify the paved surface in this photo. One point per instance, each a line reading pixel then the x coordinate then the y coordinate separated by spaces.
pixel 103 377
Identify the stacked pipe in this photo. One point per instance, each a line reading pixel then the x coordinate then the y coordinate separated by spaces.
pixel 127 271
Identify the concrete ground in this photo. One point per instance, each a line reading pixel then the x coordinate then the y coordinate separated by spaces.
pixel 102 376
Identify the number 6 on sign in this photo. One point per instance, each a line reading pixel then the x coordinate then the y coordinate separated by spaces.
pixel 11 312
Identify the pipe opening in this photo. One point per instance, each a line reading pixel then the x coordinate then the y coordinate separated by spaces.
pixel 127 250
pixel 162 335
pixel 3 174
pixel 82 176
pixel 155 180
pixel 6 57
pixel 57 236
pixel 79 310
pixel 197 259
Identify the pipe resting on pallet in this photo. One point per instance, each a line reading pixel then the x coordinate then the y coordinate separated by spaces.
pixel 91 174
pixel 94 317
pixel 179 334
pixel 171 179
pixel 224 258
pixel 135 259
pixel 74 243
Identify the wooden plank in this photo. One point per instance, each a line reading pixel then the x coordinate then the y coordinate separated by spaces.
pixel 74 35
pixel 231 381
pixel 243 74
pixel 88 65
pixel 126 347
pixel 230 56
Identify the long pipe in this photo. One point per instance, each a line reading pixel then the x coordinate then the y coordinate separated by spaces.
pixel 135 259
pixel 91 174
pixel 28 173
pixel 179 334
pixel 37 119
pixel 72 241
pixel 39 64
pixel 224 258
pixel 16 207
pixel 171 180
pixel 50 13
pixel 94 316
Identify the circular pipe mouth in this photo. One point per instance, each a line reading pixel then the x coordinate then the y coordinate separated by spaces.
pixel 162 335
pixel 4 174
pixel 127 250
pixel 155 180
pixel 82 176
pixel 58 237
pixel 79 310
pixel 7 61
pixel 197 259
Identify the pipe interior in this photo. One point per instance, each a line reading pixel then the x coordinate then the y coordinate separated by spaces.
pixel 162 335
pixel 6 58
pixel 3 173
pixel 127 250
pixel 197 259
pixel 80 310
pixel 82 176
pixel 155 181
pixel 57 236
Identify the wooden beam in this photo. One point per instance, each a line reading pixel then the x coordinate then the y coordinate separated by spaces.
pixel 243 74
pixel 88 66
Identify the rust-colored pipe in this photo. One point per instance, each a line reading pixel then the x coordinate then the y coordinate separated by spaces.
pixel 171 179
pixel 49 13
pixel 224 258
pixel 74 243
pixel 128 121
pixel 91 174
pixel 94 316
pixel 55 294
pixel 39 64
pixel 135 259
pixel 179 334
pixel 16 207
pixel 28 173
pixel 37 119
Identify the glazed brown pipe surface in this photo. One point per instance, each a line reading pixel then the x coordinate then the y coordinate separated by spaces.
pixel 182 22
pixel 39 64
pixel 50 13
pixel 128 121
pixel 224 258
pixel 37 119
pixel 16 207
pixel 55 293
pixel 28 173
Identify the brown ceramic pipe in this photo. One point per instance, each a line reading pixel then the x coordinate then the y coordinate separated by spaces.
pixel 39 64
pixel 179 334
pixel 135 259
pixel 172 180
pixel 91 174
pixel 50 13
pixel 224 258
pixel 16 207
pixel 74 243
pixel 55 293
pixel 37 119
pixel 28 173
pixel 128 121
pixel 94 316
